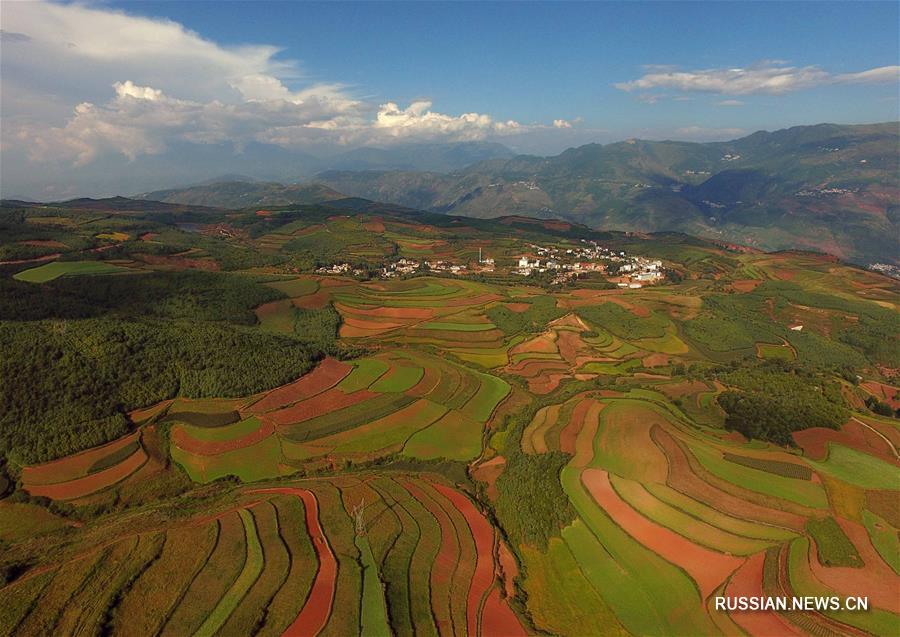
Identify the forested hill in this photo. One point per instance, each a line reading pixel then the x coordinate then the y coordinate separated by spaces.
pixel 829 188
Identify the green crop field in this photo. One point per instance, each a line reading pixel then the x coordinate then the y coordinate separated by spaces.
pixel 51 271
pixel 234 443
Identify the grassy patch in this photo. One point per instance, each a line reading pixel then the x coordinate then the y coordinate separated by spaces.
pixel 252 568
pixel 114 458
pixel 786 469
pixel 50 271
pixel 373 615
pixel 399 379
pixel 858 468
pixel 885 539
pixel 365 372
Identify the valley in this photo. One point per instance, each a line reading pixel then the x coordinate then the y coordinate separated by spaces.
pixel 205 430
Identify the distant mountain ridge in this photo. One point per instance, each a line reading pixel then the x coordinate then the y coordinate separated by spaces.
pixel 243 194
pixel 828 187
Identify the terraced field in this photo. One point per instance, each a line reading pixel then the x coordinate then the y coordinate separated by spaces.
pixel 392 403
pixel 485 456
pixel 422 552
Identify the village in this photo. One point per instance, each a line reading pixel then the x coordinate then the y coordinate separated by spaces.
pixel 566 264
pixel 626 271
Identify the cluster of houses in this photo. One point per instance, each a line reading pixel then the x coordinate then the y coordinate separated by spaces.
pixel 639 271
pixel 632 271
pixel 887 269
pixel 340 268
pixel 565 264
pixel 817 192
pixel 409 266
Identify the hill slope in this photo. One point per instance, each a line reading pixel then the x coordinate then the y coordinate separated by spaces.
pixel 827 187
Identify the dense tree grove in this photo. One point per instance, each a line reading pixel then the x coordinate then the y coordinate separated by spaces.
pixel 541 311
pixel 195 295
pixel 67 384
pixel 76 354
pixel 775 398
pixel 533 479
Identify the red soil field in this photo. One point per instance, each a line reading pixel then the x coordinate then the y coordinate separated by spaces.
pixel 706 567
pixel 543 344
pixel 785 274
pixel 532 368
pixel 814 441
pixel 546 384
pixel 147 412
pixel 445 562
pixel 682 478
pixel 73 466
pixel 877 580
pixel 375 225
pixel 427 383
pixel 745 285
pixel 747 582
pixel 483 535
pixel 212 448
pixel 317 609
pixel 570 345
pixel 416 313
pixel 886 430
pixel 314 301
pixel 655 360
pixel 683 388
pixel 584 410
pixel 320 404
pixel 517 307
pixel 883 392
pixel 328 374
pixel 349 331
pixel 509 570
pixel 497 620
pixel 488 472
pixel 366 324
pixel 81 487
pixel 638 310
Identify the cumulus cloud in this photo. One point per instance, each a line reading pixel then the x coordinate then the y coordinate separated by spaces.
pixel 83 81
pixel 562 123
pixel 418 120
pixel 770 77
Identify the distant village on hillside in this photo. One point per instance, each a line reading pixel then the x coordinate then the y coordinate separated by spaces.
pixel 626 271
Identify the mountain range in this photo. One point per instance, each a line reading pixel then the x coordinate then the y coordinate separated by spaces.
pixel 830 188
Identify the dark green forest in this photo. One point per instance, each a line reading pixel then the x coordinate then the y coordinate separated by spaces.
pixel 83 351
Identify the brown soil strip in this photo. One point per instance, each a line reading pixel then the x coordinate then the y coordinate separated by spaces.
pixel 317 609
pixel 706 567
pixel 328 374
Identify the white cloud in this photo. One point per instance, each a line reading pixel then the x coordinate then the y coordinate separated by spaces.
pixel 129 89
pixel 562 123
pixel 418 120
pixel 730 103
pixel 771 77
pixel 82 81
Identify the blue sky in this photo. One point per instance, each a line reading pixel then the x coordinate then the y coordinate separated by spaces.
pixel 536 62
pixel 110 89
